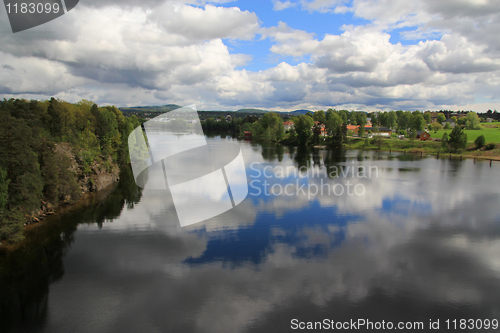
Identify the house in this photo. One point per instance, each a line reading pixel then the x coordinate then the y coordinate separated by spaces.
pixel 354 128
pixel 489 120
pixel 288 125
pixel 422 135
pixel 322 128
pixel 248 135
pixel 449 121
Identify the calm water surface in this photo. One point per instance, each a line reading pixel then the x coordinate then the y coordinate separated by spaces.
pixel 418 241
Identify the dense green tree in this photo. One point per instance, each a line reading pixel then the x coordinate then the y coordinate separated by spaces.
pixel 458 139
pixel 436 126
pixel 461 121
pixel 4 188
pixel 392 119
pixel 417 121
pixel 361 131
pixel 303 126
pixel 427 117
pixel 375 118
pixel 338 138
pixel 333 123
pixel 272 126
pixel 320 116
pixel 32 167
pixel 404 120
pixel 20 161
pixel 472 121
pixel 54 113
pixel 361 118
pixel 344 115
pixel 352 118
pixel 444 140
pixel 441 118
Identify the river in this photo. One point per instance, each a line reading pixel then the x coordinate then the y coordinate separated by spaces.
pixel 323 236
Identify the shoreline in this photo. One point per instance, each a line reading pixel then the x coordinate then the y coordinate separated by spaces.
pixel 85 200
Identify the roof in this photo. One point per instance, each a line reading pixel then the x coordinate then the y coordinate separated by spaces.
pixel 449 120
pixel 421 132
pixel 352 127
pixel 288 122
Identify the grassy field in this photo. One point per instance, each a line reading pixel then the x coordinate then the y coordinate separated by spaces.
pixel 490 134
pixel 425 147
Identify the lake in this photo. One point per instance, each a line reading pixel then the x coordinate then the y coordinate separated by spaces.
pixel 323 238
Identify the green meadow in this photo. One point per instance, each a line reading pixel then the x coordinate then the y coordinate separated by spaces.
pixel 490 134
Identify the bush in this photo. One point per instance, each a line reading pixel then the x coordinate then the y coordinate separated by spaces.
pixel 480 141
pixel 490 146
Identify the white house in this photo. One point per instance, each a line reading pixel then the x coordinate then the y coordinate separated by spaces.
pixel 288 125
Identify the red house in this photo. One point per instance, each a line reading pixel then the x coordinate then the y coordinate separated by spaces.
pixel 248 135
pixel 422 135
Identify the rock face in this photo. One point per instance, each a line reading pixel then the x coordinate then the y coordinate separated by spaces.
pixel 91 178
pixel 96 176
pixel 102 179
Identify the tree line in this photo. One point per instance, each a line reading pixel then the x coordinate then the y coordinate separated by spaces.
pixel 35 166
pixel 330 127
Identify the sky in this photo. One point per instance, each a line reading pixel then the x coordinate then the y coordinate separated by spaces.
pixel 365 55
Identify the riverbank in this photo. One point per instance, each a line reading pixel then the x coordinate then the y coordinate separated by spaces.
pixel 96 206
pixel 36 232
pixel 90 178
pixel 423 147
pixel 412 146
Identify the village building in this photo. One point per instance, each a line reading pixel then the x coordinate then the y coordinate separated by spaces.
pixel 288 125
pixel 423 135
pixel 449 121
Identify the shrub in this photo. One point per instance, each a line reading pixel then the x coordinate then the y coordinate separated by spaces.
pixel 490 146
pixel 480 141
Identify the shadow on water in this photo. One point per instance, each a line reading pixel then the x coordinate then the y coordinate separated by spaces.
pixel 28 268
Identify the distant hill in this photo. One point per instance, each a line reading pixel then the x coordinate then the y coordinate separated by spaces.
pixel 170 107
pixel 252 111
pixel 298 112
pixel 153 108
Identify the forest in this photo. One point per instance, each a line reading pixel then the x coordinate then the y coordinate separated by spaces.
pixel 39 139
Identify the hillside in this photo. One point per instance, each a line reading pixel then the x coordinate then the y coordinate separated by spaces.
pixel 53 151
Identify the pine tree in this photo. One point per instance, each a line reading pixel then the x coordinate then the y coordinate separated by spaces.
pixel 55 123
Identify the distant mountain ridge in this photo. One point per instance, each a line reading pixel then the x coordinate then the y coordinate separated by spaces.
pixel 154 108
pixel 170 107
pixel 298 112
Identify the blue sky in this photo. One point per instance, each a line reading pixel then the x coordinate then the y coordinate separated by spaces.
pixel 278 55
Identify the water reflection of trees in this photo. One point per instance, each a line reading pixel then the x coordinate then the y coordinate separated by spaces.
pixel 273 152
pixel 27 270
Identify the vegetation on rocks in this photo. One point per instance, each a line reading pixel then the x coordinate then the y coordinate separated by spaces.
pixel 51 152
